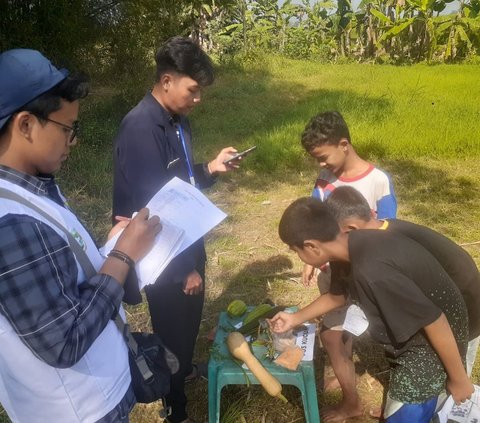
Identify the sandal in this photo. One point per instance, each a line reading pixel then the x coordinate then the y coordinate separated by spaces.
pixel 199 371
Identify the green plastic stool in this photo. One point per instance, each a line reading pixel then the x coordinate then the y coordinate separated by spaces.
pixel 222 371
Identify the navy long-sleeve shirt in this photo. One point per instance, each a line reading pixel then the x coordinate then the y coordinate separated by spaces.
pixel 148 152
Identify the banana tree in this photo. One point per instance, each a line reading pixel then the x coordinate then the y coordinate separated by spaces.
pixel 236 26
pixel 415 24
pixel 460 32
pixel 317 27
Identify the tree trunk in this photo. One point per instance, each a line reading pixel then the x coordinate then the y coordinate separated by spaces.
pixel 371 35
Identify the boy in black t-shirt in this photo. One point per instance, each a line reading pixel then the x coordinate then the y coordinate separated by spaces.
pixel 351 211
pixel 414 309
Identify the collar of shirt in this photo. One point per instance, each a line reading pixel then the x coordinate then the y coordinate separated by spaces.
pixel 34 184
pixel 162 117
pixel 43 185
pixel 384 225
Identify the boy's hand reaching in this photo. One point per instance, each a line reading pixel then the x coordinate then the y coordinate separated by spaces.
pixel 309 275
pixel 282 322
pixel 461 389
pixel 440 335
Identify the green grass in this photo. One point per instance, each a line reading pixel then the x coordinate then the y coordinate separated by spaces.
pixel 392 112
pixel 420 123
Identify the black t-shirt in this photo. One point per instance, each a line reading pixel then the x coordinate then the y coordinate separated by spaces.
pixel 454 259
pixel 340 276
pixel 401 288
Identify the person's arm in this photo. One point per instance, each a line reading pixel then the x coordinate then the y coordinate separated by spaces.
pixel 443 342
pixel 203 177
pixel 283 322
pixel 56 318
pixel 309 275
pixel 206 173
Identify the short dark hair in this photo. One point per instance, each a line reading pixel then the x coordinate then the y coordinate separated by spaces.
pixel 72 88
pixel 346 202
pixel 307 218
pixel 325 128
pixel 183 56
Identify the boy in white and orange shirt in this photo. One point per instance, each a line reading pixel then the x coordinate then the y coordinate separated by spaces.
pixel 327 139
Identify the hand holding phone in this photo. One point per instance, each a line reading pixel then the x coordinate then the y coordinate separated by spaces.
pixel 239 156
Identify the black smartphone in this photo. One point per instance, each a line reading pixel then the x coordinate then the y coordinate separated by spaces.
pixel 238 156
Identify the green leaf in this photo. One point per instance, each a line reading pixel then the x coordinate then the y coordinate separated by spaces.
pixel 441 19
pixel 379 15
pixel 443 27
pixel 439 6
pixel 464 37
pixel 207 9
pixel 232 27
pixel 472 23
pixel 397 29
pixel 448 50
pixel 427 5
pixel 417 4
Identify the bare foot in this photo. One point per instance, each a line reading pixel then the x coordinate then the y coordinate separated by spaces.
pixel 376 413
pixel 341 412
pixel 331 384
pixel 211 334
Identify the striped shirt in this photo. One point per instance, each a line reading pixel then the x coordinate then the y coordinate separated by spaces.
pixel 57 318
pixel 374 184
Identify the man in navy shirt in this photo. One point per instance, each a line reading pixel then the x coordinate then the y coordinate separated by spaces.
pixel 152 146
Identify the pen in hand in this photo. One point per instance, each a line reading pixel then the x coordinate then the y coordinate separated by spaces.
pixel 122 219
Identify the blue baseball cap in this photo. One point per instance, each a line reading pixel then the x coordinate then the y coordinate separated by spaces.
pixel 24 75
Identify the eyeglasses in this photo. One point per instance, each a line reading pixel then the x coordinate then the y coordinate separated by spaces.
pixel 74 129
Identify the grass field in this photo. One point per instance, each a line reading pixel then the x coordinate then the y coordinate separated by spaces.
pixel 419 123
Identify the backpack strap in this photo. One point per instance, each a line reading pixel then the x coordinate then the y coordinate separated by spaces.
pixel 89 270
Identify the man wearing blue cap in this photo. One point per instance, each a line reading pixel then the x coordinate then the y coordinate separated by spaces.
pixel 62 358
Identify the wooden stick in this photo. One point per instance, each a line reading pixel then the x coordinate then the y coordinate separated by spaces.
pixel 469 243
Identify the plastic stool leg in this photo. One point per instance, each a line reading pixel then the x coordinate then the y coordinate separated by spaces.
pixel 213 398
pixel 309 396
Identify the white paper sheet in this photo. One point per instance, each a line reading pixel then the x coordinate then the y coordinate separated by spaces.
pixel 185 207
pixel 468 412
pixel 305 339
pixel 186 215
pixel 166 247
pixel 355 320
